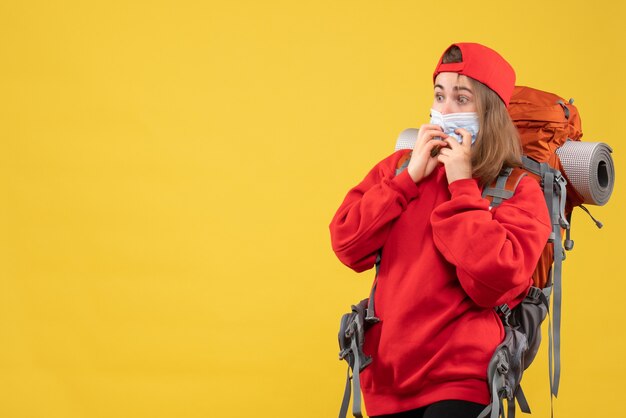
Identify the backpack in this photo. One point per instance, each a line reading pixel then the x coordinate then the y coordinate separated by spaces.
pixel 549 128
pixel 550 132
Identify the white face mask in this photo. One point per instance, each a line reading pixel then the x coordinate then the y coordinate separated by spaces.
pixel 453 121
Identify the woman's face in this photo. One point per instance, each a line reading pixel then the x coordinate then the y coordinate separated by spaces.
pixel 453 94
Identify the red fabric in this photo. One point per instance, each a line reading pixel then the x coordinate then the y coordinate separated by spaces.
pixel 485 65
pixel 447 261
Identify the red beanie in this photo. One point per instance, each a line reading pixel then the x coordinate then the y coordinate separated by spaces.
pixel 482 64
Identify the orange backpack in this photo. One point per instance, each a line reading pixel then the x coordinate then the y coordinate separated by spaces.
pixel 545 122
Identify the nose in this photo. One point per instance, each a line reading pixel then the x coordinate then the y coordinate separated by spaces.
pixel 447 107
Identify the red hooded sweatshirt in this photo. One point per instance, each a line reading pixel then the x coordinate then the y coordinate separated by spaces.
pixel 447 261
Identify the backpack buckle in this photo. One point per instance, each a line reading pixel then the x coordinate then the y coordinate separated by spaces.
pixel 504 311
pixel 533 293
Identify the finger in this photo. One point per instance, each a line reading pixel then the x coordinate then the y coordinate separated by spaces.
pixel 429 135
pixel 434 133
pixel 446 152
pixel 451 142
pixel 466 135
pixel 431 126
pixel 440 138
pixel 436 146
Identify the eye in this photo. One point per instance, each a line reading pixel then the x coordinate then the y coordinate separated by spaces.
pixel 463 100
pixel 438 97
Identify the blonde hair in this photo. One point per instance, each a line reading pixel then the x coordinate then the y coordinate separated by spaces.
pixel 497 143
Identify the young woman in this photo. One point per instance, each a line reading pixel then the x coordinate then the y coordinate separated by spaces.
pixel 447 258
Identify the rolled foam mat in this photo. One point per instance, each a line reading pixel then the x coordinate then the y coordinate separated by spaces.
pixel 589 168
pixel 406 139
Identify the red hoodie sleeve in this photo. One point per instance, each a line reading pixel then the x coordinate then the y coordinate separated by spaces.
pixel 361 225
pixel 494 251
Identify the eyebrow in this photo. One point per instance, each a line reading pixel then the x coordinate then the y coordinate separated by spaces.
pixel 455 88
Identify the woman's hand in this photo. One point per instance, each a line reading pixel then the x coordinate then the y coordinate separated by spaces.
pixel 457 158
pixel 422 162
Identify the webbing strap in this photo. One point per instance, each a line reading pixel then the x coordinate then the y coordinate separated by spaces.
pixel 554 191
pixel 556 309
pixel 356 382
pixel 561 184
pixel 485 411
pixel 496 402
pixel 343 411
pixel 546 293
pixel 548 193
pixel 521 400
pixel 498 194
pixel 500 185
pixel 531 165
pixel 548 190
pixel 511 408
pixel 370 314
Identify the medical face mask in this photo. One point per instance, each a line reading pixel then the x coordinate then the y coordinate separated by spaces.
pixel 453 121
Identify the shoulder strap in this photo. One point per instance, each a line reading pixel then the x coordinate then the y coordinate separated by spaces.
pixel 403 163
pixel 504 186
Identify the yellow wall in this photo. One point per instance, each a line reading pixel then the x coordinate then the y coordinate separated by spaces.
pixel 168 170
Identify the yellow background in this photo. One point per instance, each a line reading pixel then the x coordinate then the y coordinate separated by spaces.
pixel 168 170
